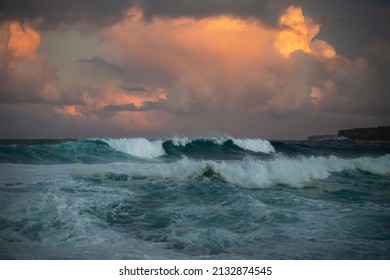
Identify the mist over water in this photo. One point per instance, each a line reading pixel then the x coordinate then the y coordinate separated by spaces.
pixel 204 198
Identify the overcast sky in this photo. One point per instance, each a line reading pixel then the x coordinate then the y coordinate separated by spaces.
pixel 144 68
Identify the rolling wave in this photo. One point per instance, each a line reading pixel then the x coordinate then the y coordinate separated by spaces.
pixel 102 150
pixel 254 145
pixel 144 148
pixel 43 152
pixel 139 147
pixel 247 173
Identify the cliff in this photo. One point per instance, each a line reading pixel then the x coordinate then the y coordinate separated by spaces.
pixel 380 133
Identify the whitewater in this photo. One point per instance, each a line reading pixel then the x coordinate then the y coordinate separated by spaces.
pixel 194 198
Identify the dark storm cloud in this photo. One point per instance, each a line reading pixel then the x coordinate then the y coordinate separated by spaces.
pixel 123 107
pixel 49 14
pixel 136 89
pixel 372 16
pixel 267 10
pixel 103 64
pixel 146 106
pixel 353 25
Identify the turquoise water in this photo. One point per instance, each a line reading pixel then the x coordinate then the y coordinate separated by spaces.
pixel 205 198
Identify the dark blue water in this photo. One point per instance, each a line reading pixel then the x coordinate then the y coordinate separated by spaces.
pixel 206 198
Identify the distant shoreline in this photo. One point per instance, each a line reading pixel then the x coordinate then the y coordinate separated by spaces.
pixel 380 133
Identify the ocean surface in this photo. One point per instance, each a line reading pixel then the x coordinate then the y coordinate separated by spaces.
pixel 202 198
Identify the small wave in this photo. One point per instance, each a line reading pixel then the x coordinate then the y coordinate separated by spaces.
pixel 139 147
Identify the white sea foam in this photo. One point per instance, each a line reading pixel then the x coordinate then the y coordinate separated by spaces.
pixel 180 140
pixel 139 147
pixel 251 173
pixel 296 172
pixel 254 145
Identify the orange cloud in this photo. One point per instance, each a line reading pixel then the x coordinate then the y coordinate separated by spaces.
pixel 189 58
pixel 23 40
pixel 69 110
pixel 220 60
pixel 216 73
pixel 114 93
pixel 192 39
pixel 26 75
pixel 298 34
pixel 217 66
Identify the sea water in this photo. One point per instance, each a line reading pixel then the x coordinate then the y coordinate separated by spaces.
pixel 202 198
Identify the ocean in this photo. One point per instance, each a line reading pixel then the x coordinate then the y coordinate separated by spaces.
pixel 200 198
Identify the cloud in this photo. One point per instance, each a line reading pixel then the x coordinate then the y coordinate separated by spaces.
pixel 23 41
pixel 298 33
pixel 94 14
pixel 103 64
pixel 122 107
pixel 182 68
pixel 146 106
pixel 267 11
pixel 380 51
pixel 221 64
pixel 113 97
pixel 26 75
pixel 136 89
pixel 32 120
pixel 224 62
pixel 48 14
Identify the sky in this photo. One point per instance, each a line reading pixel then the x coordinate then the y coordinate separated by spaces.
pixel 271 69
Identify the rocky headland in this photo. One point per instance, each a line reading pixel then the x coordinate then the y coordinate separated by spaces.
pixel 380 133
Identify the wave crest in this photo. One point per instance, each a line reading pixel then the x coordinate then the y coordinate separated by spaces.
pixel 139 147
pixel 250 144
pixel 251 173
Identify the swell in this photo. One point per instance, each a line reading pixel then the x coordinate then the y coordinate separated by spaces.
pixel 128 149
pixel 82 151
pixel 136 149
pixel 341 148
pixel 211 148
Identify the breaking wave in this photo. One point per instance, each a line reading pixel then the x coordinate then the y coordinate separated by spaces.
pixel 144 148
pixel 139 147
pixel 102 150
pixel 254 145
pixel 246 173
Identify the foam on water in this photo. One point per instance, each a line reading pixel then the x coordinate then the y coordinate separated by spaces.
pixel 180 140
pixel 247 173
pixel 296 172
pixel 139 147
pixel 254 145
